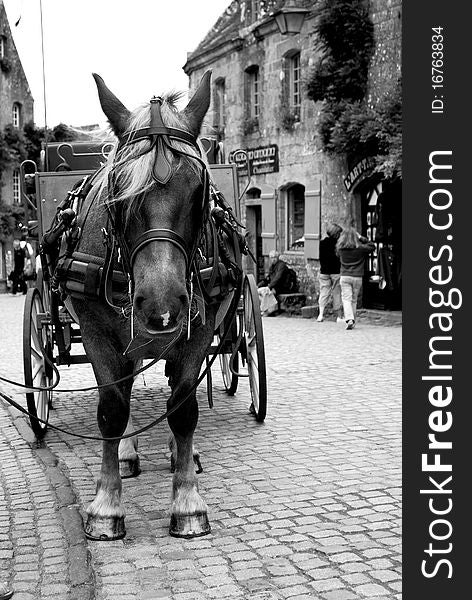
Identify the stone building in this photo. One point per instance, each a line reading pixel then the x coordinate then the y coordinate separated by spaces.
pixel 16 109
pixel 259 105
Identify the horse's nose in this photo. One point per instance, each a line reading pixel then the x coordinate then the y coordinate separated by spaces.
pixel 160 315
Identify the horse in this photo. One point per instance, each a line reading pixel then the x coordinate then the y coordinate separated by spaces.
pixel 145 212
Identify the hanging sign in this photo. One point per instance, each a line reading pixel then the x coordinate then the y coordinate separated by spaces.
pixel 364 165
pixel 264 159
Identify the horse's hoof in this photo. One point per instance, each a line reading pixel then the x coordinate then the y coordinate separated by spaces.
pixel 105 529
pixel 129 468
pixel 189 526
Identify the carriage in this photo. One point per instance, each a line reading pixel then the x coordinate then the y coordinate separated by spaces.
pixel 51 332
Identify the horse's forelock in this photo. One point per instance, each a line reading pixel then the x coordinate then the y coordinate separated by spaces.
pixel 133 163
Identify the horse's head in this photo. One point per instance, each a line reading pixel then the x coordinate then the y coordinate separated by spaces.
pixel 158 198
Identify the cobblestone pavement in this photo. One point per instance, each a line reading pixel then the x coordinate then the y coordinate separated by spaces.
pixel 304 506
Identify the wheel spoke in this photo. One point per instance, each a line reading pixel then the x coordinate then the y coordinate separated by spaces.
pixel 35 338
pixel 34 312
pixel 255 392
pixel 253 364
pixel 38 369
pixel 36 353
pixel 251 339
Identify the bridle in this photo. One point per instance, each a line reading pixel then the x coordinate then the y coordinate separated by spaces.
pixel 161 137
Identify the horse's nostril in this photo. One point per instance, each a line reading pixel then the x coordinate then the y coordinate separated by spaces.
pixel 138 302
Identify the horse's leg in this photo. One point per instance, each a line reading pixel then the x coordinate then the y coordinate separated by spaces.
pixel 128 448
pixel 128 454
pixel 173 456
pixel 106 513
pixel 188 511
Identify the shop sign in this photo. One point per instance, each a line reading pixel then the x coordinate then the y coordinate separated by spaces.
pixel 264 159
pixel 364 165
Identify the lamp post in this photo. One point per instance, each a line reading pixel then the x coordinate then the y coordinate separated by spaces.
pixel 290 18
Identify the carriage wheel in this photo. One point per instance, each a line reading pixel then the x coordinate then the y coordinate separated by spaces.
pixel 43 288
pixel 227 365
pixel 38 372
pixel 254 347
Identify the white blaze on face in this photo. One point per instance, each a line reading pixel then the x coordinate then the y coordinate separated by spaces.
pixel 165 318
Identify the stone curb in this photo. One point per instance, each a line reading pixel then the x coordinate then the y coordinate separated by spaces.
pixel 80 571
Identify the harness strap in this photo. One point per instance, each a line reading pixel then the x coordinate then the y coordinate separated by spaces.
pixel 92 280
pixel 173 132
pixel 156 235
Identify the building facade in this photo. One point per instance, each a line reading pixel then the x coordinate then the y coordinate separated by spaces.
pixel 16 109
pixel 259 105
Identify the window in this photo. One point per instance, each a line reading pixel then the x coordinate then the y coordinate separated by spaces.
pixel 295 83
pixel 292 83
pixel 219 104
pixel 16 115
pixel 253 92
pixel 2 46
pixel 295 216
pixel 250 11
pixel 16 187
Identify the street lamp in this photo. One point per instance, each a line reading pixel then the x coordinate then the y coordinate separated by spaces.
pixel 290 18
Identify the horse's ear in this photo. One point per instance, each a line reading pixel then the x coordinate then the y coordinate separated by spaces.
pixel 197 108
pixel 116 112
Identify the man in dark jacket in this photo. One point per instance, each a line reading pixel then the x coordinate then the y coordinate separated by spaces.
pixel 277 281
pixel 277 278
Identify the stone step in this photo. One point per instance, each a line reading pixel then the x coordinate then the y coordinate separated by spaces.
pixel 309 312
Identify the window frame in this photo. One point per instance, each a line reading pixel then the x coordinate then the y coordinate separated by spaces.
pixel 16 186
pixel 16 115
pixel 295 82
pixel 253 103
pixel 219 118
pixel 295 192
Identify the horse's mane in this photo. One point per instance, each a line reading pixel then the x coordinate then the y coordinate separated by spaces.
pixel 132 164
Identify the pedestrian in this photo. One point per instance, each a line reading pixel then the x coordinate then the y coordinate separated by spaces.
pixel 17 276
pixel 277 277
pixel 279 280
pixel 5 592
pixel 329 276
pixel 352 250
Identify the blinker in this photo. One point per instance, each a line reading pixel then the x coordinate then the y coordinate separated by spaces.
pixel 162 169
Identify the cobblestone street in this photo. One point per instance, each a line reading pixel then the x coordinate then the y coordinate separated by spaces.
pixel 304 506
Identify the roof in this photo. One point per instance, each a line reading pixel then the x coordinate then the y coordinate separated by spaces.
pixel 235 23
pixel 226 28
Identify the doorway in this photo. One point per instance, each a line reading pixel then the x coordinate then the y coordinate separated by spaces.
pixel 254 240
pixel 381 224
